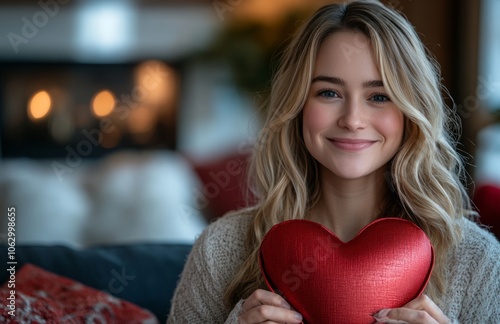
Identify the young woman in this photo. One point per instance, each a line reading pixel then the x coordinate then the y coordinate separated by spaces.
pixel 356 130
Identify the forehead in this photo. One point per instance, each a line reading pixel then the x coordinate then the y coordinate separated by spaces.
pixel 347 54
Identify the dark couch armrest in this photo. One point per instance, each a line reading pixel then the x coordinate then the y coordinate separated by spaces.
pixel 144 274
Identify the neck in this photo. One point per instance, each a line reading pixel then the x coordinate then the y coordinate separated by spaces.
pixel 346 206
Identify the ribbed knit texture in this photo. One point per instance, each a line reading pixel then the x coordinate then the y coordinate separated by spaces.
pixel 473 274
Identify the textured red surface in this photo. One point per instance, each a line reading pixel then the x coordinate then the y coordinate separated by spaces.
pixel 386 265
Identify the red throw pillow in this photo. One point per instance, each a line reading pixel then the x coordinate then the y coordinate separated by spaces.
pixel 224 184
pixel 487 201
pixel 42 296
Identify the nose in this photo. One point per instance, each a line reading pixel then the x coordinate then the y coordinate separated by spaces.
pixel 352 116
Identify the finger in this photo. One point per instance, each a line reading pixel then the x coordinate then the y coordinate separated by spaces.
pixel 423 302
pixel 242 321
pixel 264 297
pixel 405 315
pixel 264 313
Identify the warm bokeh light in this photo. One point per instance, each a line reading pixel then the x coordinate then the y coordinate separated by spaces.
pixel 103 103
pixel 39 105
pixel 141 120
pixel 270 11
pixel 158 81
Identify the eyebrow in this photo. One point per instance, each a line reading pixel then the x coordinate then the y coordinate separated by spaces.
pixel 342 82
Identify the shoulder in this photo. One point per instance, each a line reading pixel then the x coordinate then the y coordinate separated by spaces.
pixel 211 265
pixel 478 242
pixel 222 243
pixel 230 229
pixel 478 253
pixel 234 223
pixel 472 273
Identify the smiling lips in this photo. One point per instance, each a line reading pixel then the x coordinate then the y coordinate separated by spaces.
pixel 349 144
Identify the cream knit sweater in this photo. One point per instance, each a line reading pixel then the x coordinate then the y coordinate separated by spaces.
pixel 473 274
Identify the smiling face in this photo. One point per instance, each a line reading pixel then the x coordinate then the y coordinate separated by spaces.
pixel 350 126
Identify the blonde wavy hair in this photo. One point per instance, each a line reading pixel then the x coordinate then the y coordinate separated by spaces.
pixel 425 174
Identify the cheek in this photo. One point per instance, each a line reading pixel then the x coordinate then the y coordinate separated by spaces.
pixel 392 126
pixel 314 119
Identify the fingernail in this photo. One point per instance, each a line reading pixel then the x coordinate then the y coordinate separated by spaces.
pixel 389 321
pixel 382 313
pixel 298 316
pixel 285 304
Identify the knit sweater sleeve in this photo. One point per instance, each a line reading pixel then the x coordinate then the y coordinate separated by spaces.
pixel 211 264
pixel 474 273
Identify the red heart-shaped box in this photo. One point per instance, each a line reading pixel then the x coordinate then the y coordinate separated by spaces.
pixel 386 265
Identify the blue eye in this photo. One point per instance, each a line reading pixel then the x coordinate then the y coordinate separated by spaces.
pixel 328 94
pixel 380 98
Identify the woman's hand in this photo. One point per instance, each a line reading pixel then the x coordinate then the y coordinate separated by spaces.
pixel 265 306
pixel 419 311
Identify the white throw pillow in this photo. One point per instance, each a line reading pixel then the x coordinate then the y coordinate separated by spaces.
pixel 48 210
pixel 143 197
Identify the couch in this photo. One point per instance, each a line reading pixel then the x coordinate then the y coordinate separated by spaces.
pixel 132 215
pixel 143 274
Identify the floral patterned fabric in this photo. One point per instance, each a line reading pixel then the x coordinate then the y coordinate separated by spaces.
pixel 44 297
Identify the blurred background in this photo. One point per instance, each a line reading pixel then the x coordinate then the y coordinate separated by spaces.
pixel 131 120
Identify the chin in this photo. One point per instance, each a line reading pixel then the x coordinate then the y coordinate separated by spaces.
pixel 350 174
